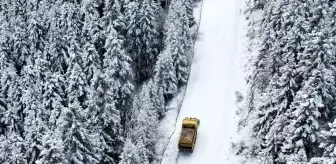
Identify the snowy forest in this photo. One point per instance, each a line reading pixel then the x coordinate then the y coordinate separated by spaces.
pixel 289 110
pixel 87 81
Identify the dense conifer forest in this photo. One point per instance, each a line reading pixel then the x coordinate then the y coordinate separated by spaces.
pixel 86 81
pixel 290 109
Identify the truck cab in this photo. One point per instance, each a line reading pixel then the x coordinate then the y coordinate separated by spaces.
pixel 188 134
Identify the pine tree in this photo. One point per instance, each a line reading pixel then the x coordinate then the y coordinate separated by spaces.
pixel 55 41
pixel 178 39
pixel 190 12
pixel 292 87
pixel 150 122
pixel 118 74
pixel 267 65
pixel 19 40
pixel 79 143
pixel 12 148
pixel 76 79
pixel 332 14
pixel 11 142
pixel 143 125
pixel 328 143
pixel 156 97
pixel 105 119
pixel 3 108
pixel 315 100
pixel 53 98
pixel 143 151
pixel 149 37
pixel 130 154
pixel 34 126
pixel 52 151
pixel 132 43
pixel 165 76
pixel 256 4
pixel 72 28
pixel 11 93
pixel 91 35
pixel 142 36
pixel 275 81
pixel 113 16
pixel 37 30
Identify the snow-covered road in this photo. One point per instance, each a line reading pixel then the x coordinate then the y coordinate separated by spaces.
pixel 215 75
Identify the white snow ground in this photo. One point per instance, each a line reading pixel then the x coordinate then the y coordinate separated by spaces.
pixel 216 74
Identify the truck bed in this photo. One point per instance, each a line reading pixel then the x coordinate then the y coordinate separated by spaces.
pixel 187 135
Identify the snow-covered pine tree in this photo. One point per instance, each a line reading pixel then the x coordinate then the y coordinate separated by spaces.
pixel 52 105
pixel 34 125
pixel 130 154
pixel 55 44
pixel 53 97
pixel 318 95
pixel 274 81
pixel 165 76
pixel 12 148
pixel 266 65
pixel 76 79
pixel 37 30
pixel 313 103
pixel 142 37
pixel 18 27
pixel 11 141
pixel 332 14
pixel 150 50
pixel 71 16
pixel 178 39
pixel 71 24
pixel 256 4
pixel 91 36
pixel 74 121
pixel 52 151
pixel 331 26
pixel 304 128
pixel 292 82
pixel 80 144
pixel 143 152
pixel 132 43
pixel 156 97
pixel 190 12
pixel 118 73
pixel 3 108
pixel 55 55
pixel 328 142
pixel 35 117
pixel 143 125
pixel 112 131
pixel 105 121
pixel 150 122
pixel 114 16
pixel 5 35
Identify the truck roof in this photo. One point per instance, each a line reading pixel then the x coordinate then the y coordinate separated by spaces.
pixel 187 135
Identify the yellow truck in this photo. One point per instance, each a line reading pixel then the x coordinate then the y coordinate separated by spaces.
pixel 188 134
